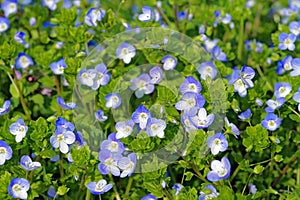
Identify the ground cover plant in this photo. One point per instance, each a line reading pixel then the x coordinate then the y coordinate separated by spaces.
pixel 125 99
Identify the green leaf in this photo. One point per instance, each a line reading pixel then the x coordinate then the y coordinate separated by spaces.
pixel 62 190
pixel 258 169
pixel 255 138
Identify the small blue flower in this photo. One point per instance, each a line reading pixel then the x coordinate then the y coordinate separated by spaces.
pixel 58 67
pixel 127 164
pixel 27 163
pixel 109 163
pixel 284 65
pixel 259 102
pixel 156 127
pixel 202 120
pixel 190 84
pixel 113 100
pixel 9 7
pixel 32 21
pixel 19 129
pixel 295 27
pixel 183 16
pixel 296 67
pixel 186 122
pixel 282 89
pixel 252 188
pixel 233 127
pixel 124 129
pixel 147 14
pixel 207 69
pixel 99 188
pixel 210 44
pixel 149 197
pixel 62 140
pixel 202 29
pixel 296 97
pixel 94 15
pixel 51 4
pixel 218 54
pixel 63 125
pixel 5 107
pixel 209 192
pixel 5 152
pixel 125 52
pixel 220 170
pixel 4 24
pixel 156 75
pixel 190 100
pixel 217 143
pixel 141 116
pixel 23 61
pixel 87 77
pixel 20 38
pixel 100 116
pixel 286 41
pixel 271 122
pixel 169 62
pixel 18 188
pixel 177 187
pixel 112 144
pixel 79 139
pixel 51 193
pixel 245 115
pixel 274 104
pixel 66 106
pixel 142 85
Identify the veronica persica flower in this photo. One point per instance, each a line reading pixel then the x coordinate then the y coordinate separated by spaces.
pixel 86 77
pixel 124 129
pixel 109 163
pixel 147 14
pixel 113 100
pixel 125 52
pixel 287 41
pixel 245 115
pixel 66 106
pixel 186 122
pixel 190 84
pixel 210 44
pixel 219 170
pixel 27 163
pixel 4 24
pixel 274 104
pixel 207 69
pixel 295 67
pixel 63 125
pixel 202 120
pixel 218 54
pixel 217 143
pixel 79 139
pixel 142 85
pixel 282 89
pixel 62 140
pixel 5 152
pixel 94 15
pixel 51 4
pixel 102 77
pixel 252 188
pixel 190 100
pixel 177 187
pixel 295 27
pixel 19 129
pixel 156 75
pixel 5 107
pixel 233 127
pixel 127 164
pixel 20 38
pixel 296 97
pixel 149 197
pixel 100 116
pixel 169 62
pixel 112 144
pixel 9 7
pixel 284 65
pixel 23 61
pixel 156 127
pixel 58 67
pixel 51 193
pixel 271 122
pixel 141 116
pixel 18 188
pixel 100 187
pixel 209 192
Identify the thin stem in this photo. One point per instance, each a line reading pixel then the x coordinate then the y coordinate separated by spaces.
pixel 291 109
pixel 176 17
pixel 61 169
pixel 257 20
pixel 128 186
pixel 99 196
pixel 182 179
pixel 261 74
pixel 258 163
pixel 57 84
pixel 165 17
pixel 241 39
pixel 186 19
pixel 81 186
pixel 199 175
pixel 244 189
pixel 115 187
pixel 238 168
pixel 88 194
pixel 167 194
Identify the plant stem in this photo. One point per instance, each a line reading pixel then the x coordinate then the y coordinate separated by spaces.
pixel 128 186
pixel 81 186
pixel 176 18
pixel 165 17
pixel 88 194
pixel 61 169
pixel 241 39
pixel 199 175
pixel 115 187
pixel 167 194
pixel 57 85
pixel 238 168
pixel 261 74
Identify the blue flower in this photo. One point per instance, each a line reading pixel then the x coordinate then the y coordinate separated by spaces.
pixel 296 67
pixel 5 107
pixel 113 100
pixel 233 127
pixel 9 7
pixel 274 104
pixel 149 197
pixel 100 187
pixel 62 140
pixel 100 116
pixel 142 85
pixel 207 69
pixel 282 89
pixel 94 15
pixel 79 139
pixel 202 120
pixel 18 188
pixel 127 164
pixel 23 61
pixel 295 27
pixel 296 97
pixel 218 54
pixel 284 65
pixel 109 162
pixel 169 62
pixel 125 52
pixel 88 78
pixel 177 187
pixel 190 100
pixel 124 129
pixel 20 38
pixel 51 4
pixel 147 14
pixel 5 152
pixel 217 143
pixel 58 67
pixel 183 16
pixel 156 75
pixel 210 44
pixel 259 102
pixel 112 144
pixel 141 116
pixel 19 129
pixel 252 188
pixel 209 192
pixel 190 84
pixel 250 3
pixel 63 125
pixel 156 127
pixel 32 21
pixel 51 193
pixel 67 106
pixel 27 163
pixel 286 41
pixel 271 122
pixel 4 24
pixel 245 115
pixel 220 170
pixel 186 122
